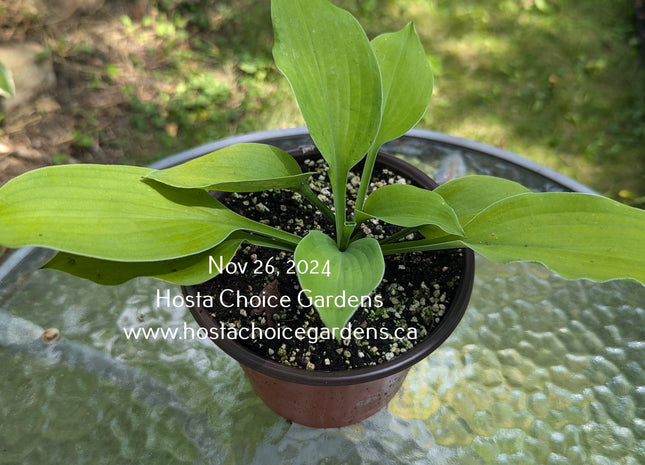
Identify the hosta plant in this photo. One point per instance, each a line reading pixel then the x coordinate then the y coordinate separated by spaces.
pixel 113 223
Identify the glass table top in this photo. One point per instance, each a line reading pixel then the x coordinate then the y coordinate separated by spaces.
pixel 540 370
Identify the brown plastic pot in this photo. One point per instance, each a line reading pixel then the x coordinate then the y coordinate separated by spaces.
pixel 330 399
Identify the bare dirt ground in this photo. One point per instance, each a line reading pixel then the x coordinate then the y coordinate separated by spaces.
pixel 85 117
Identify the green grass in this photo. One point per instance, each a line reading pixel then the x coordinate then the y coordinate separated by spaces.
pixel 557 81
pixel 217 77
pixel 562 86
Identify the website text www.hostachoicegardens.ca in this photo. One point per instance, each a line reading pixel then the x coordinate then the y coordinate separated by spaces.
pixel 229 331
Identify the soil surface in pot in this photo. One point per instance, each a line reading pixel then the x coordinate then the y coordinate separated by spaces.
pixel 416 290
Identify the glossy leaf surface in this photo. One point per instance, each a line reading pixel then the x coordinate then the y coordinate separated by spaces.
pixel 326 57
pixel 407 81
pixel 237 168
pixel 469 195
pixel 411 206
pixel 576 235
pixel 108 212
pixel 193 269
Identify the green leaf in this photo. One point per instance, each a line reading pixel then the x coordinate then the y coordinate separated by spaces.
pixel 7 87
pixel 328 60
pixel 407 81
pixel 108 212
pixel 326 57
pixel 410 206
pixel 469 195
pixel 193 269
pixel 237 168
pixel 576 235
pixel 353 273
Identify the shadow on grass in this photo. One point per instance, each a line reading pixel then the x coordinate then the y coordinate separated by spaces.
pixel 563 85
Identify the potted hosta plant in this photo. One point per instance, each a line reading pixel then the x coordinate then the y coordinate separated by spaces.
pixel 327 262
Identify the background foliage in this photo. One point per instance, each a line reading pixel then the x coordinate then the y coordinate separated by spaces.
pixel 557 81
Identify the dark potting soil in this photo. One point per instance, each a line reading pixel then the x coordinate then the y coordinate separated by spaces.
pixel 416 290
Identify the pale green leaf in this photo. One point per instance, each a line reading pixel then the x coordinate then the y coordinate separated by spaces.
pixel 7 87
pixel 326 57
pixel 407 81
pixel 109 212
pixel 328 60
pixel 576 235
pixel 353 273
pixel 469 195
pixel 410 206
pixel 190 270
pixel 237 168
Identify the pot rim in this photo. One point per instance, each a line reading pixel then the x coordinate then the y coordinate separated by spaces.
pixel 401 362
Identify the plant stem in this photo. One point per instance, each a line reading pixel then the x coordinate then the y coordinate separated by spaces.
pixel 339 186
pixel 307 193
pixel 398 235
pixel 290 240
pixel 268 242
pixel 366 176
pixel 348 231
pixel 420 246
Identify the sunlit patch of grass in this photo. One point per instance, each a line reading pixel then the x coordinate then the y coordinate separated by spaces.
pixel 556 81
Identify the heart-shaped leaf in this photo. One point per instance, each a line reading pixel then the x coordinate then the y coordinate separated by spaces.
pixel 407 81
pixel 410 206
pixel 236 168
pixel 190 270
pixel 108 212
pixel 575 235
pixel 353 274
